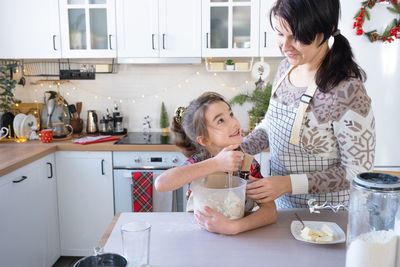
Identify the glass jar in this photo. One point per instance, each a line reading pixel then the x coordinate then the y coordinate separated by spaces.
pixel 374 221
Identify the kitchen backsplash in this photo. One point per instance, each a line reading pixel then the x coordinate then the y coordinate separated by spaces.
pixel 139 90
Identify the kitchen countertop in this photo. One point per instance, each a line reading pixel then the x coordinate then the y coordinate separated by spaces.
pixel 15 155
pixel 177 241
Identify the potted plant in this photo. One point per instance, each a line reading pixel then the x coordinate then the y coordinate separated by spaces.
pixel 164 123
pixel 260 98
pixel 229 64
pixel 7 84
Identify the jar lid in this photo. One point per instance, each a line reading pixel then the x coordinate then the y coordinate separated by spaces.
pixel 378 181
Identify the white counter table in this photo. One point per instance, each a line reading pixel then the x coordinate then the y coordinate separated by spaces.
pixel 177 241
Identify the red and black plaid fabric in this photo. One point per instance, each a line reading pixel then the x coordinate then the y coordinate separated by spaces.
pixel 142 191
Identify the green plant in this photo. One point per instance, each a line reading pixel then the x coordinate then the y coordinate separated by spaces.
pixel 260 99
pixel 164 123
pixel 7 84
pixel 229 62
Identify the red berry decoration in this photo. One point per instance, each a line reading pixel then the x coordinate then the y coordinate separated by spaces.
pixel 391 32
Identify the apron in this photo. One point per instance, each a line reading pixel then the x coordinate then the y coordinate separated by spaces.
pixel 287 158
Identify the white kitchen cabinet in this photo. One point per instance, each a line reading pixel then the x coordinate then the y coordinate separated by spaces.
pixel 28 224
pixel 268 44
pixel 85 199
pixel 230 28
pixel 30 29
pixel 50 208
pixel 88 28
pixel 158 29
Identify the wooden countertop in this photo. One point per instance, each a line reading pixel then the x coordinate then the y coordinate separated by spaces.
pixel 15 155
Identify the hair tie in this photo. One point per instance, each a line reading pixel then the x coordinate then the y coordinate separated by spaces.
pixel 179 114
pixel 336 33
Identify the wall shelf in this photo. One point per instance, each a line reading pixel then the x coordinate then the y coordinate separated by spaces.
pixel 220 66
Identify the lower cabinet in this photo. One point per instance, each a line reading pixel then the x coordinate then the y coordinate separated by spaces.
pixel 85 199
pixel 29 233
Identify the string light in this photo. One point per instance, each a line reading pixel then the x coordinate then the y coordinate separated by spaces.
pixel 182 83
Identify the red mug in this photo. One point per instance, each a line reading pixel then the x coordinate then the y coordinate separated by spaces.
pixel 46 135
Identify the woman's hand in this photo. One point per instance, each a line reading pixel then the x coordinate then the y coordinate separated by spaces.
pixel 214 222
pixel 269 188
pixel 229 160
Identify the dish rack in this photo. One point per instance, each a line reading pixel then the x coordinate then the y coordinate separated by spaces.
pixel 66 69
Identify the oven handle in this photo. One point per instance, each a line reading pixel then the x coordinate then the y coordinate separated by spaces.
pixel 144 168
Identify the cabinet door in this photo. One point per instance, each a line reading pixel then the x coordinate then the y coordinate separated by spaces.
pixel 268 44
pixel 137 28
pixel 30 29
pixel 230 28
pixel 180 28
pixel 50 208
pixel 21 222
pixel 88 28
pixel 85 199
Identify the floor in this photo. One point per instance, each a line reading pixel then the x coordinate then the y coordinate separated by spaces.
pixel 66 261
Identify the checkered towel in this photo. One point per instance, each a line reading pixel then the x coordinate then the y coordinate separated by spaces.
pixel 142 191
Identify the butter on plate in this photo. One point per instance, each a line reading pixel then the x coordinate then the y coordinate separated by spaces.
pixel 325 234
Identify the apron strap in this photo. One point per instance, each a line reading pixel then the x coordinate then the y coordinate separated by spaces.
pixel 305 100
pixel 281 79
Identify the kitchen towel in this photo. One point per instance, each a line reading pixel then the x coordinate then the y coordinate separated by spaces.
pixel 142 191
pixel 95 139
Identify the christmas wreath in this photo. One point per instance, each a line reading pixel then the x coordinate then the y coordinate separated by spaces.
pixel 391 32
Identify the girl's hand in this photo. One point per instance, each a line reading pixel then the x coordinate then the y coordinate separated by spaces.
pixel 229 160
pixel 215 222
pixel 269 188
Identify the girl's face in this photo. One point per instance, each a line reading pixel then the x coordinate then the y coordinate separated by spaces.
pixel 222 127
pixel 296 52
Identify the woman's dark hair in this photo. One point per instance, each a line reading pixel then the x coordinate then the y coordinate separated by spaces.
pixel 306 19
pixel 193 123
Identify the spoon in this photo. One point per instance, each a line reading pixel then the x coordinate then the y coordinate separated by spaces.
pixel 300 220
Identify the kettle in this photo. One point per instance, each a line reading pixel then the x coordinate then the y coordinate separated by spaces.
pixel 91 126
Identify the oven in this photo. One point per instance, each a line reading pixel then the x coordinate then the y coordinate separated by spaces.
pixel 125 163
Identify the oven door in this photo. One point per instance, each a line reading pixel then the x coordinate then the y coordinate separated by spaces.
pixel 162 202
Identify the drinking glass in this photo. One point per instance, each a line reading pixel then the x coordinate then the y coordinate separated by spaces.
pixel 136 243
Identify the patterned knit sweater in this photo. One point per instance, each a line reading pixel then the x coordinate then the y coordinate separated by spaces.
pixel 338 124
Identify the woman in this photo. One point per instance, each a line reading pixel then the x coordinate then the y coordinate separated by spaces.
pixel 319 125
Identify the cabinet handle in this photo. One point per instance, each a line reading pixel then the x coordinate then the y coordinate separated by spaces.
pixel 20 180
pixel 152 41
pixel 265 39
pixel 109 39
pixel 163 41
pixel 207 40
pixel 54 42
pixel 51 170
pixel 102 167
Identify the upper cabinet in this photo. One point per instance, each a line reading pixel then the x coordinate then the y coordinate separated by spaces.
pixel 230 28
pixel 158 29
pixel 30 29
pixel 268 44
pixel 88 28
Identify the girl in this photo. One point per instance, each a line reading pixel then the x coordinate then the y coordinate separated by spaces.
pixel 208 133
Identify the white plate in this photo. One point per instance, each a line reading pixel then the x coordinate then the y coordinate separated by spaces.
pixel 338 234
pixel 26 126
pixel 17 123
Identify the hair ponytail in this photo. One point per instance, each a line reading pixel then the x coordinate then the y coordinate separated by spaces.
pixel 338 65
pixel 181 140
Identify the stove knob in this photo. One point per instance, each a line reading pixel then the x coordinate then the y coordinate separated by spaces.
pixel 137 160
pixel 175 159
